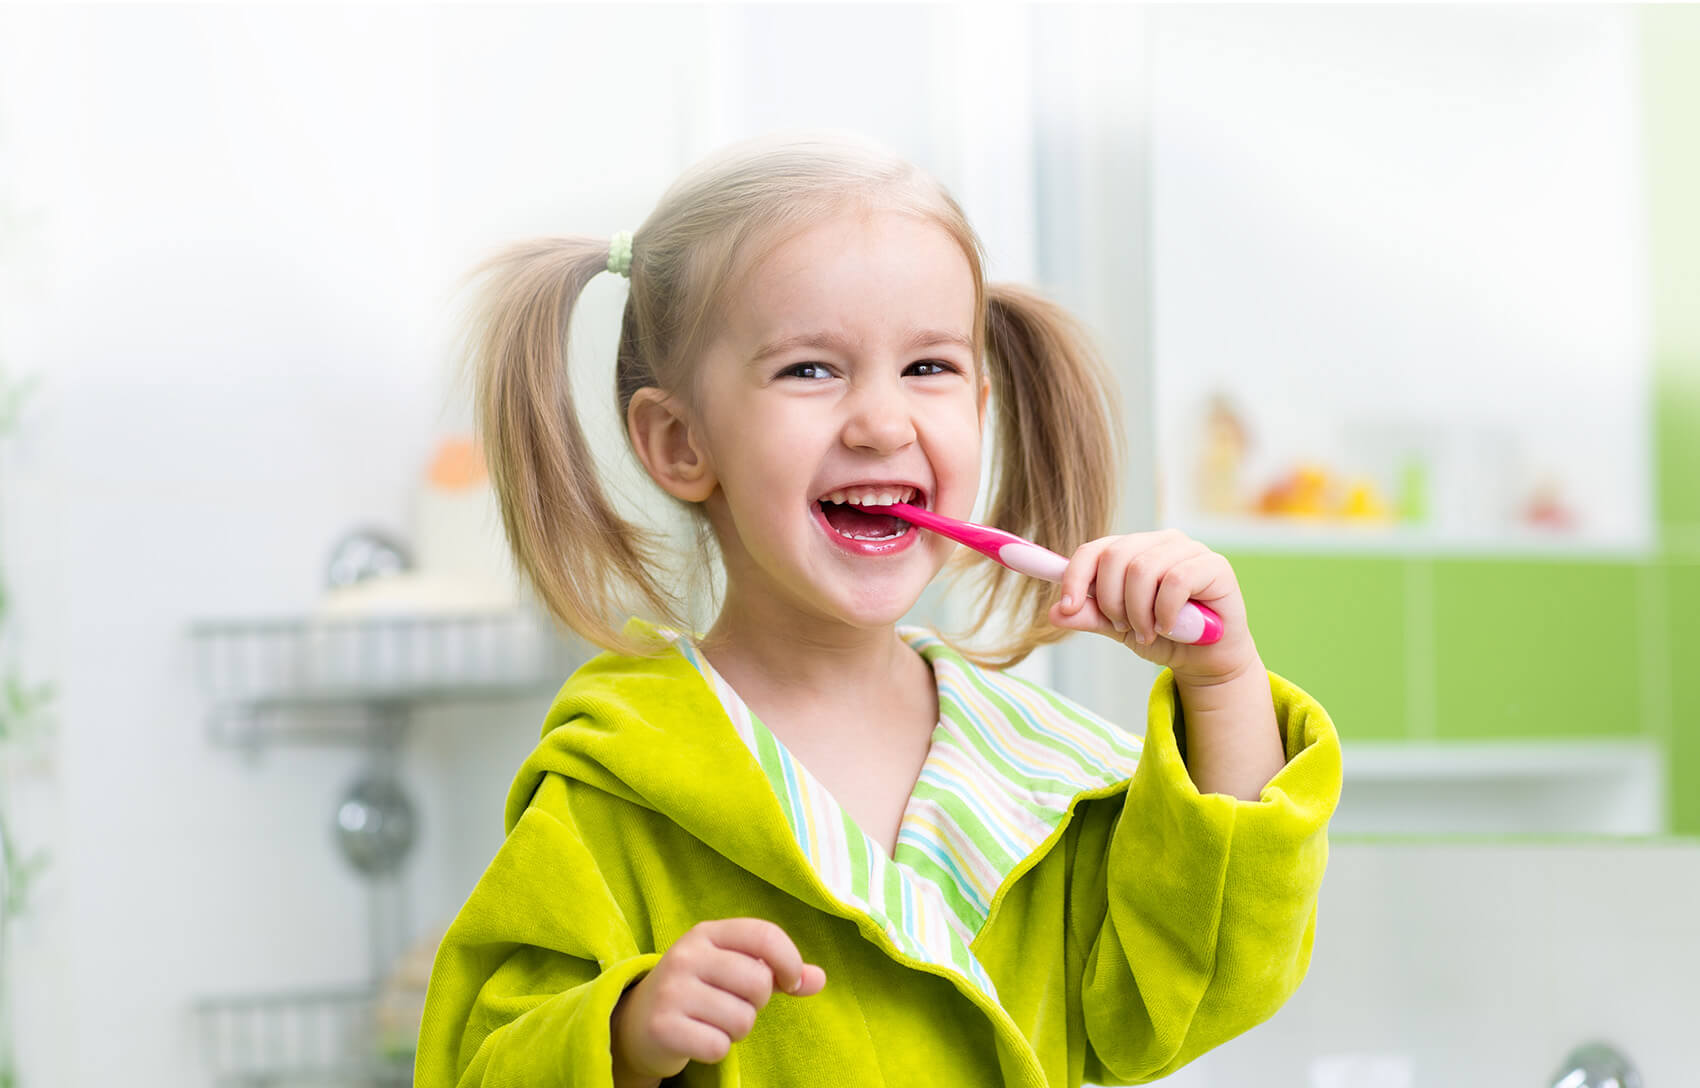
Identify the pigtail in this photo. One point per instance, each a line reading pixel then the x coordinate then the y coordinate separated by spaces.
pixel 586 563
pixel 1059 451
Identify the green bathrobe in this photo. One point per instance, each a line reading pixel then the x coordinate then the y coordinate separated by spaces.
pixel 1151 924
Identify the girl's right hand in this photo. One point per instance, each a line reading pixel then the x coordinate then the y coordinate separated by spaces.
pixel 703 995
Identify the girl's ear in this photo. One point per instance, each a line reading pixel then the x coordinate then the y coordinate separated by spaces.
pixel 985 391
pixel 668 446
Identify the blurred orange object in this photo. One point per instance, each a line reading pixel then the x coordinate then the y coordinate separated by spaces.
pixel 1546 507
pixel 458 465
pixel 1304 493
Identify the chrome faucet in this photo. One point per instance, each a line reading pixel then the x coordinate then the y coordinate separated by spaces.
pixel 1596 1065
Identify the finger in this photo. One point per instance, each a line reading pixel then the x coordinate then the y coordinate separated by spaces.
pixel 1144 574
pixel 684 1035
pixel 1114 570
pixel 766 942
pixel 718 1009
pixel 1110 582
pixel 1085 618
pixel 814 981
pixel 1198 576
pixel 739 974
pixel 1081 570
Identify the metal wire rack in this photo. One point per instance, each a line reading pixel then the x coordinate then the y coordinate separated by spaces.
pixel 252 668
pixel 313 1037
pixel 271 680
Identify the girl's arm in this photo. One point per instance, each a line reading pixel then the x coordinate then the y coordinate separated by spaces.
pixel 1232 743
pixel 1191 915
pixel 1140 582
pixel 1194 905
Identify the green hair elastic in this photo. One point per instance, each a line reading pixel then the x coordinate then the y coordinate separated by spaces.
pixel 620 253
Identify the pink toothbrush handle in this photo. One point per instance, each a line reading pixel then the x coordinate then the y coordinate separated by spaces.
pixel 1198 624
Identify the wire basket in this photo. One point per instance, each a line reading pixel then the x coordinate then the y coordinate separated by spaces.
pixel 264 663
pixel 332 1037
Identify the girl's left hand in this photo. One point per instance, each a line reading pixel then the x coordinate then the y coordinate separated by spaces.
pixel 1139 582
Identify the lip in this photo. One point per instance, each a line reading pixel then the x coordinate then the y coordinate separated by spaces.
pixel 866 548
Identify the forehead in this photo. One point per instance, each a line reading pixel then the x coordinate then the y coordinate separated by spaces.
pixel 867 276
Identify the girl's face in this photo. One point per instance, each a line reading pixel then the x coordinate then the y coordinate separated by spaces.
pixel 843 366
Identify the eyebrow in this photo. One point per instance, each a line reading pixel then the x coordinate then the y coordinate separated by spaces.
pixel 920 338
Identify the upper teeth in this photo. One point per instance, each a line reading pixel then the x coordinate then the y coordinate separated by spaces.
pixel 873 496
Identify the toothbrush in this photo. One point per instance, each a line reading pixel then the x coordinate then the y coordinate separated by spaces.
pixel 1198 624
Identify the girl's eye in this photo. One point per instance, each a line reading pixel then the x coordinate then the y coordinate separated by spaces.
pixel 793 371
pixel 936 366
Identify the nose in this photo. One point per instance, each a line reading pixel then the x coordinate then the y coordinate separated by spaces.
pixel 880 417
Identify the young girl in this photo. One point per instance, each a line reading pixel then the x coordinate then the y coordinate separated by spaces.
pixel 812 846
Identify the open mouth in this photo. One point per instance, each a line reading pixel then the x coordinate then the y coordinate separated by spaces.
pixel 859 513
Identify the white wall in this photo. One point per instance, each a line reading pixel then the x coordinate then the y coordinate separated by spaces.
pixel 251 220
pixel 1481 965
pixel 1407 231
pixel 247 224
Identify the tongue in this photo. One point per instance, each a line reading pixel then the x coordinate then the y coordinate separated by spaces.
pixel 851 520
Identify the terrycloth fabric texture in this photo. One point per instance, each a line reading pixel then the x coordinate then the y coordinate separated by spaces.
pixel 1152 925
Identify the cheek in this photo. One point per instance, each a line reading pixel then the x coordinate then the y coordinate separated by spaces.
pixel 958 445
pixel 972 435
pixel 968 449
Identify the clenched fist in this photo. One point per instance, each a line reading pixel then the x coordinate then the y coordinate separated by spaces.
pixel 703 996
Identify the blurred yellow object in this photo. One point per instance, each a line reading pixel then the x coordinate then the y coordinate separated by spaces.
pixel 1364 503
pixel 1219 464
pixel 1313 492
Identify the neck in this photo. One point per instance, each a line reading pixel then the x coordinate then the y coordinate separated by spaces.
pixel 781 656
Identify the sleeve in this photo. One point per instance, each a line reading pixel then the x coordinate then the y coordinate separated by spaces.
pixel 529 972
pixel 1196 913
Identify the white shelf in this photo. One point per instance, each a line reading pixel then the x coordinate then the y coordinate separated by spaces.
pixel 1496 760
pixel 1503 787
pixel 1348 538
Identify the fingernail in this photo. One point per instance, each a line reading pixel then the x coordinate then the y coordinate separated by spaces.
pixel 1067 601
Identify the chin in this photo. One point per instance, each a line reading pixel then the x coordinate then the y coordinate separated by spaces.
pixel 867 600
pixel 882 610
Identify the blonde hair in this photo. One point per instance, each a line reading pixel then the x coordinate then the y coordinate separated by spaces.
pixel 1057 419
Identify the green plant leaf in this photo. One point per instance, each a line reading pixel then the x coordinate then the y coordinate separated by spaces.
pixel 21 878
pixel 26 704
pixel 23 711
pixel 12 395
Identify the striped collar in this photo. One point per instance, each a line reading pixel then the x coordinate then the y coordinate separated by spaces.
pixel 1007 759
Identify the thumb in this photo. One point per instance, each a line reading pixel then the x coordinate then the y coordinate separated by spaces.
pixel 1085 618
pixel 812 982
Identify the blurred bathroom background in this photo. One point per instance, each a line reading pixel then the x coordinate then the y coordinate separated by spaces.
pixel 1405 304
